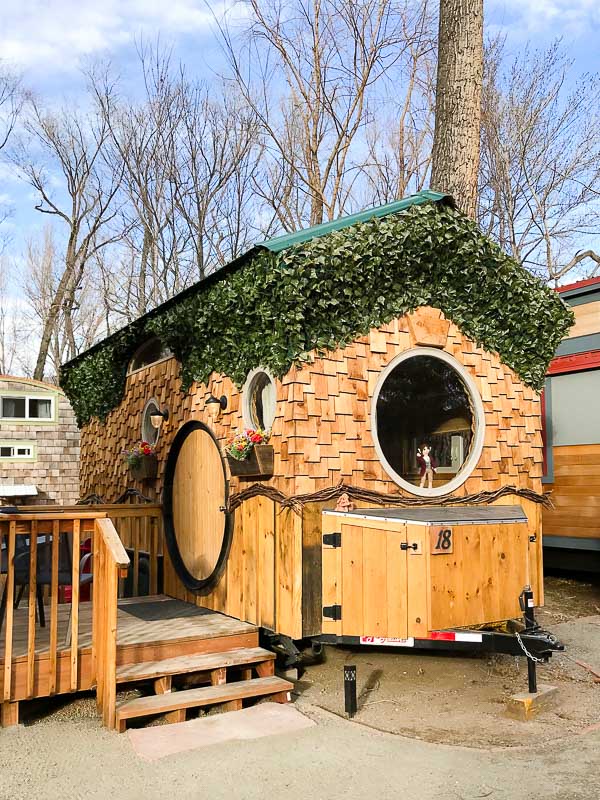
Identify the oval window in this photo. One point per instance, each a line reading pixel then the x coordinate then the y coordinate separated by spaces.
pixel 427 422
pixel 149 431
pixel 259 404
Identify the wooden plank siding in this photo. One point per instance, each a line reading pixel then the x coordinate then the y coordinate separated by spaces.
pixel 321 435
pixel 575 493
pixel 587 319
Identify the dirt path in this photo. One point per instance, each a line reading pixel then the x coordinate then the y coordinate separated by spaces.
pixel 77 760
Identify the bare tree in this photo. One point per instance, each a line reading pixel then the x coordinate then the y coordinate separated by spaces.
pixel 399 140
pixel 69 146
pixel 12 353
pixel 188 159
pixel 308 71
pixel 216 162
pixel 456 141
pixel 540 175
pixel 42 275
pixel 11 102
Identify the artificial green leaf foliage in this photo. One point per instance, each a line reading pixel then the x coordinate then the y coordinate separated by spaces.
pixel 325 292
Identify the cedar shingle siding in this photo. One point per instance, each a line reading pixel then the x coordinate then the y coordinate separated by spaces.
pixel 55 470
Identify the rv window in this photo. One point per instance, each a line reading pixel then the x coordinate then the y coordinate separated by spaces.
pixel 425 422
pixel 260 400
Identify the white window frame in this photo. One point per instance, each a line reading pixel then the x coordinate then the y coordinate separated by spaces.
pixel 17 445
pixel 28 398
pixel 478 419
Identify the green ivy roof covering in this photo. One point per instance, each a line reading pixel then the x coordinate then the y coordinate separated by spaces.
pixel 321 288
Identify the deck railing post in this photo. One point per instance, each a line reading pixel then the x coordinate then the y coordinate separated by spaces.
pixel 111 560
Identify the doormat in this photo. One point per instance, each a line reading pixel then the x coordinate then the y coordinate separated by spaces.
pixel 163 609
pixel 265 719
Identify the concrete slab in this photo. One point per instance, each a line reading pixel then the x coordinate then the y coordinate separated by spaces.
pixel 265 719
pixel 525 706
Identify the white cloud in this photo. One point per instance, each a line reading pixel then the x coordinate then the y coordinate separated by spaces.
pixel 56 34
pixel 554 17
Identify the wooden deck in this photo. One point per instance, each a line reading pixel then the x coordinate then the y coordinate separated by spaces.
pixel 148 628
pixel 112 640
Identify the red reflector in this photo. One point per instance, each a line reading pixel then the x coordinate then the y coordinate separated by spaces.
pixel 446 636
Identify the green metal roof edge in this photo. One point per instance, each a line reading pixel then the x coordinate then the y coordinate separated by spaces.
pixel 280 243
pixel 275 245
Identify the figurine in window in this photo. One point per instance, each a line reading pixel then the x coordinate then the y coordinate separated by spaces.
pixel 427 464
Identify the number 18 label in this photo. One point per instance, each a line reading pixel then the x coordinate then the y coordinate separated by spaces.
pixel 441 541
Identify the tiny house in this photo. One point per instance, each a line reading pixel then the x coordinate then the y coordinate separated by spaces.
pixel 360 345
pixel 39 443
pixel 572 435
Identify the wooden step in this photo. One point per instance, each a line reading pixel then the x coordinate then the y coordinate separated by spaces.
pixel 200 662
pixel 228 693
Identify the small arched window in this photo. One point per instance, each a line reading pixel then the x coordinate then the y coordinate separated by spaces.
pixel 150 352
pixel 259 400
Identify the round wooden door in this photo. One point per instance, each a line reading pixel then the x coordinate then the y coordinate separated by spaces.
pixel 197 527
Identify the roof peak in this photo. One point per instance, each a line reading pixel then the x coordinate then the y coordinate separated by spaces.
pixel 286 240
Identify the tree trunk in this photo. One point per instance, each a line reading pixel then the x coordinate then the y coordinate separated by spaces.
pixel 50 323
pixel 455 157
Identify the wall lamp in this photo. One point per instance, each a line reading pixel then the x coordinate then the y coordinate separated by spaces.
pixel 215 405
pixel 158 417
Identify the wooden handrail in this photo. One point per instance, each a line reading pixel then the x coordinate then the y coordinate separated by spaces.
pixel 110 560
pixel 113 543
pixel 53 515
pixel 96 508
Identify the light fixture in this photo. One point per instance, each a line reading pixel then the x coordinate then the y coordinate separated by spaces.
pixel 158 417
pixel 215 405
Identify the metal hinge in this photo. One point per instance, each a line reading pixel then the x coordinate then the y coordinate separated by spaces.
pixel 332 612
pixel 333 539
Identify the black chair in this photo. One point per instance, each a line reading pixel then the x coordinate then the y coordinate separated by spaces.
pixel 43 568
pixel 21 549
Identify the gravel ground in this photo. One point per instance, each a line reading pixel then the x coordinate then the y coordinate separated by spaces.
pixel 335 760
pixel 429 726
pixel 454 699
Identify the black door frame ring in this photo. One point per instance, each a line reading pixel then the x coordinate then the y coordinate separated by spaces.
pixel 198 586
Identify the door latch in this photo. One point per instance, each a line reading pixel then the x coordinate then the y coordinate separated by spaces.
pixel 407 546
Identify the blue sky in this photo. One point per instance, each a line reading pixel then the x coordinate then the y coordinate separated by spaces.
pixel 51 41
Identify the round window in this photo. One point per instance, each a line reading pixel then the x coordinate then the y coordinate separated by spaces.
pixel 149 432
pixel 259 400
pixel 428 422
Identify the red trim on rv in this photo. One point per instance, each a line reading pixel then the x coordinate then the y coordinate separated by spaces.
pixel 578 285
pixel 574 363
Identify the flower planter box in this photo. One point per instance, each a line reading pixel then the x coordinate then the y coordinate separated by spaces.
pixel 259 463
pixel 145 470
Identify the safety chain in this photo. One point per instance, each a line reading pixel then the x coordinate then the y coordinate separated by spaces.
pixel 526 651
